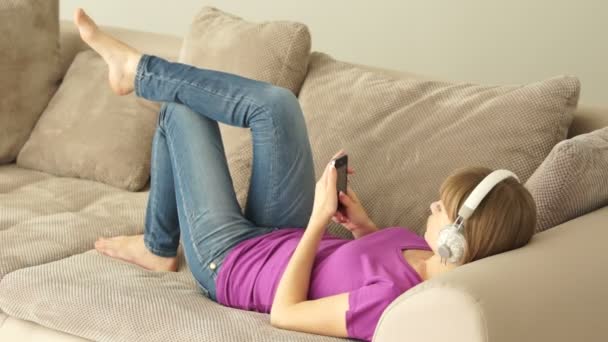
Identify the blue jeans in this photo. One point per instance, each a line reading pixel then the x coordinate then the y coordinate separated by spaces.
pixel 191 191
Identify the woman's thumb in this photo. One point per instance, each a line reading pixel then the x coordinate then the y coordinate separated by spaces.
pixel 344 199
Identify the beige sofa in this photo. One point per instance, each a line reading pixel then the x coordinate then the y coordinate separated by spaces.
pixel 553 289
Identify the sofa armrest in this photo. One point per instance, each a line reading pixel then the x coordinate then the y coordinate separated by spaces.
pixel 553 289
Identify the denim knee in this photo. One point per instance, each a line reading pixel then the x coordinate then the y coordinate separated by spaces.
pixel 279 99
pixel 282 106
pixel 167 113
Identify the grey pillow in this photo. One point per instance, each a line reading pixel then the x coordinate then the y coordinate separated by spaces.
pixel 89 132
pixel 405 135
pixel 572 180
pixel 29 70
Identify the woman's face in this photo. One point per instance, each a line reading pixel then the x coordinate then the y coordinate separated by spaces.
pixel 437 219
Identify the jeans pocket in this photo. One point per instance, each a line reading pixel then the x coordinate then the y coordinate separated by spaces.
pixel 215 265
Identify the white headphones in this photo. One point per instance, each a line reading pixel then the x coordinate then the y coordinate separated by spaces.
pixel 450 242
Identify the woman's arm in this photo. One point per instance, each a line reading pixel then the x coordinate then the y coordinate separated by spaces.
pixel 295 281
pixel 290 308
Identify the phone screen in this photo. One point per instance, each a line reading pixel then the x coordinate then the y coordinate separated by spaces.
pixel 341 163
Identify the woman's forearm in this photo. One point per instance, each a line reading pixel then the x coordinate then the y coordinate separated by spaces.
pixel 295 281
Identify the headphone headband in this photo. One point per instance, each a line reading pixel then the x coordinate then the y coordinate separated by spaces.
pixel 450 242
pixel 481 190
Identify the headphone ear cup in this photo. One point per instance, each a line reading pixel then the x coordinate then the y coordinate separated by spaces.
pixel 451 243
pixel 442 246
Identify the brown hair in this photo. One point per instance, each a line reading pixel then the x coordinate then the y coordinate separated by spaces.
pixel 504 220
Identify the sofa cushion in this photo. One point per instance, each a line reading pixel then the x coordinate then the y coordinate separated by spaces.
pixel 272 51
pixel 89 132
pixel 572 180
pixel 122 301
pixel 45 218
pixel 28 68
pixel 405 135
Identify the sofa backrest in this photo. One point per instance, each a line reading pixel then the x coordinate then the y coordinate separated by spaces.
pixel 28 69
pixel 586 118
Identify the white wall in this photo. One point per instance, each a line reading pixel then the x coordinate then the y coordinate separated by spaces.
pixel 486 41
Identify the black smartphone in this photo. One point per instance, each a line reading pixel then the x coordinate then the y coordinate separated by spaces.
pixel 341 163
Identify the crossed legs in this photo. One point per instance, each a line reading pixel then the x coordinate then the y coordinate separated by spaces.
pixel 191 191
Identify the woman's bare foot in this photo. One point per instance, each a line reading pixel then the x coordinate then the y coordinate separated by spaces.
pixel 133 250
pixel 122 59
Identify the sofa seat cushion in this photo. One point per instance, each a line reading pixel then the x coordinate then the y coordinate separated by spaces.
pixel 104 299
pixel 404 135
pixel 3 318
pixel 15 329
pixel 45 218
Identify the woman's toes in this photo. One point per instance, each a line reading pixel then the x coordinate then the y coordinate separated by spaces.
pixel 86 25
pixel 111 252
pixel 99 246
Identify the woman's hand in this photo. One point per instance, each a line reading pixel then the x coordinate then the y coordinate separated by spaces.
pixel 353 217
pixel 326 199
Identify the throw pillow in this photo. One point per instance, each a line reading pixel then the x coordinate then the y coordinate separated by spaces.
pixel 276 52
pixel 405 135
pixel 572 180
pixel 28 68
pixel 272 51
pixel 89 132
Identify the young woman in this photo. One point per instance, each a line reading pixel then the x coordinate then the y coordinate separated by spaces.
pixel 277 257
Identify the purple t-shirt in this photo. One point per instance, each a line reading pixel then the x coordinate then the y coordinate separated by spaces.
pixel 372 269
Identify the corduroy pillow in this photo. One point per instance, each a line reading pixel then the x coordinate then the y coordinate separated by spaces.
pixel 276 52
pixel 89 132
pixel 572 180
pixel 29 70
pixel 405 135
